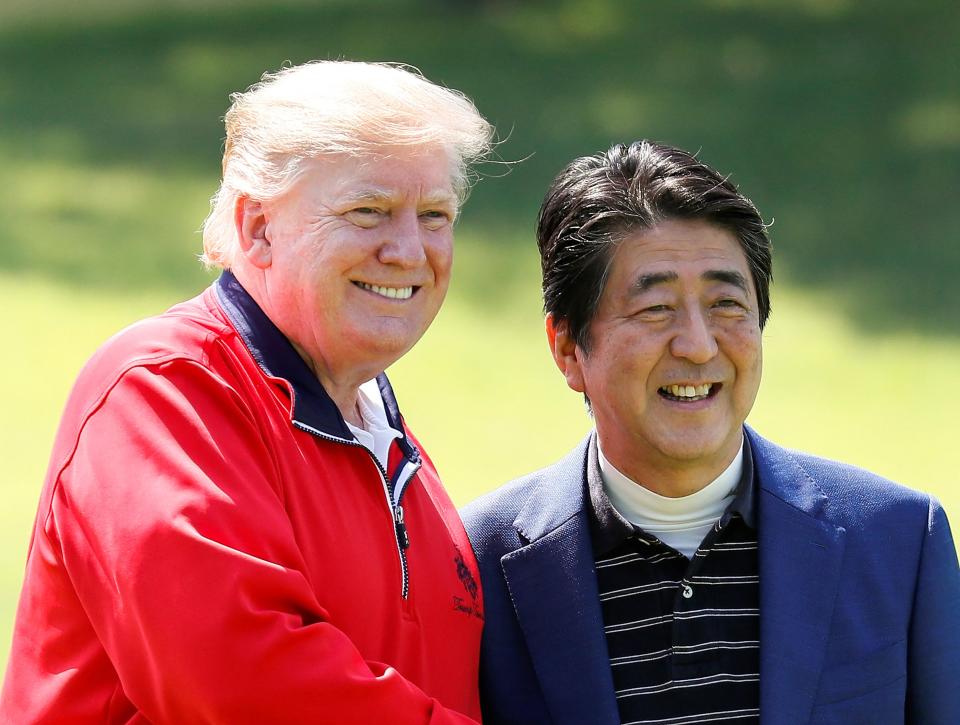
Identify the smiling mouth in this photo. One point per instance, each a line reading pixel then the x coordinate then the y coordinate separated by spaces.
pixel 393 293
pixel 689 393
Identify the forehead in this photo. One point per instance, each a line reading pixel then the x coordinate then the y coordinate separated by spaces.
pixel 686 248
pixel 388 173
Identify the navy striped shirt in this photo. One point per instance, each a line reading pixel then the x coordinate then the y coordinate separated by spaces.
pixel 682 634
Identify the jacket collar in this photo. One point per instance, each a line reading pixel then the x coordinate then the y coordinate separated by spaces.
pixel 312 409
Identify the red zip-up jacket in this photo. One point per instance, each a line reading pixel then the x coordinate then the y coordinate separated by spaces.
pixel 213 546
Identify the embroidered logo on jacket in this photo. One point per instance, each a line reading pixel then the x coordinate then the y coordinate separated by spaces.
pixel 462 604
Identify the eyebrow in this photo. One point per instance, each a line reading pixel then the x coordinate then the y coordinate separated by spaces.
pixel 647 282
pixel 727 276
pixel 440 197
pixel 374 193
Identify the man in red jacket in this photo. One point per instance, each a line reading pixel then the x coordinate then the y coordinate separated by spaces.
pixel 237 526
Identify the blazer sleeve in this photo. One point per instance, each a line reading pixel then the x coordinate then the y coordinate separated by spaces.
pixel 934 650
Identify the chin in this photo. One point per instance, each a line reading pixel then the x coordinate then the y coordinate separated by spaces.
pixel 694 450
pixel 388 348
pixel 391 334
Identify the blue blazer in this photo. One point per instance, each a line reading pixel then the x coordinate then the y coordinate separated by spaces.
pixel 859 598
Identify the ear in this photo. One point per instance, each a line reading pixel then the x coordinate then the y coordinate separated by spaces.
pixel 565 352
pixel 250 220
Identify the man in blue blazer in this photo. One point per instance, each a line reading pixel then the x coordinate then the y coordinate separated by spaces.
pixel 676 567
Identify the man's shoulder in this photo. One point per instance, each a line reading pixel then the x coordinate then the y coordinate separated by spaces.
pixel 862 494
pixel 142 365
pixel 490 520
pixel 853 495
pixel 190 332
pixel 499 508
pixel 490 515
pixel 187 331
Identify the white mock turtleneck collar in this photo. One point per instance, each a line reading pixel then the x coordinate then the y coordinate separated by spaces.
pixel 678 522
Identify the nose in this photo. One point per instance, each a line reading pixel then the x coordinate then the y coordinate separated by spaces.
pixel 403 245
pixel 694 340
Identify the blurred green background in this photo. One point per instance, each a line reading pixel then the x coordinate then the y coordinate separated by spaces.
pixel 840 119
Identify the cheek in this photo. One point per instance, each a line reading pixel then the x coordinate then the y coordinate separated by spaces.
pixel 439 253
pixel 618 368
pixel 440 246
pixel 746 351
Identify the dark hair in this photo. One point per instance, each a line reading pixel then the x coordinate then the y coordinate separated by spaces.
pixel 596 201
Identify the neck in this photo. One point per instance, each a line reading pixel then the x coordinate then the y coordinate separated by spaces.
pixel 344 390
pixel 671 477
pixel 341 385
pixel 352 416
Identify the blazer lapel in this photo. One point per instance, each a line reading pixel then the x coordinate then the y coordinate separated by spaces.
pixel 553 587
pixel 800 556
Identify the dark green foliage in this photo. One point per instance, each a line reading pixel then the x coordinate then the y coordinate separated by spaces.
pixel 841 120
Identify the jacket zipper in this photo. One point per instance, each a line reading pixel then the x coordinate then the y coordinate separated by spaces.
pixel 399 527
pixel 400 534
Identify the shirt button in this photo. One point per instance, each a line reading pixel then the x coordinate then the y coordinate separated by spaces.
pixel 687 591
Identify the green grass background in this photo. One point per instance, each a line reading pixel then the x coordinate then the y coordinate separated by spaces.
pixel 840 119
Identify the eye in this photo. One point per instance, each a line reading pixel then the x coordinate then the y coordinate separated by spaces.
pixel 729 306
pixel 364 216
pixel 435 218
pixel 654 313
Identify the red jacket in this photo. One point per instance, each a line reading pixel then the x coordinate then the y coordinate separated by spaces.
pixel 212 545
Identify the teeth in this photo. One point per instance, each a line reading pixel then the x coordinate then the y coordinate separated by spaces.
pixel 688 391
pixel 394 293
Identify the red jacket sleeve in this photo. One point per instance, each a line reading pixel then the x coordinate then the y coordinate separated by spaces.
pixel 170 522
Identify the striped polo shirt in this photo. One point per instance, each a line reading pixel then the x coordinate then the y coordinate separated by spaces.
pixel 682 634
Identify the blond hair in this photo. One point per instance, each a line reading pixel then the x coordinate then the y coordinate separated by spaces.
pixel 333 107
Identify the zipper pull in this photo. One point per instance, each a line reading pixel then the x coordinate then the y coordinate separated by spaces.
pixel 402 536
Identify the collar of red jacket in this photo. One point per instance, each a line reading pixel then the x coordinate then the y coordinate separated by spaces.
pixel 312 408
